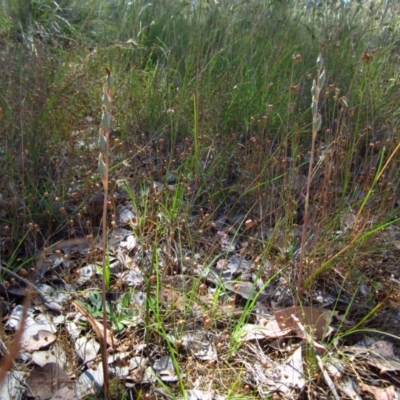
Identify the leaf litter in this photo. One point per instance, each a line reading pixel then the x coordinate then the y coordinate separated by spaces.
pixel 272 340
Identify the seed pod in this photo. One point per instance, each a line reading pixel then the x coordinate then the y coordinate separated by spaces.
pixel 106 102
pixel 314 89
pixel 102 167
pixel 314 107
pixel 320 61
pixel 317 123
pixel 103 144
pixel 322 78
pixel 105 120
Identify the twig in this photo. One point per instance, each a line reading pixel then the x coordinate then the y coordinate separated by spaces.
pixel 327 378
pixel 96 325
pixel 104 138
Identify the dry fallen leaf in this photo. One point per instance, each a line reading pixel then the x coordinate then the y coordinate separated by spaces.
pixel 43 382
pixel 86 348
pixel 291 374
pixel 379 354
pixel 171 298
pixel 37 341
pixel 13 386
pixel 382 356
pixel 349 388
pixel 246 289
pixel 271 330
pixel 55 355
pixel 90 382
pixel 164 368
pixel 199 343
pixel 378 393
pixel 309 317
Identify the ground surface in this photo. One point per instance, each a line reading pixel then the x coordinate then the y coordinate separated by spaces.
pixel 213 315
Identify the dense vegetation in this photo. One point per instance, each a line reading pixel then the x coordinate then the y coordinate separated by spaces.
pixel 212 136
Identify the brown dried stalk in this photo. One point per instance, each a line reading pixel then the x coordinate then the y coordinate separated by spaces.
pixel 104 137
pixel 316 125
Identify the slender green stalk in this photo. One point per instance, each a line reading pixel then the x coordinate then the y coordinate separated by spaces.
pixel 196 131
pixel 381 170
pixel 363 320
pixel 356 237
pixel 362 236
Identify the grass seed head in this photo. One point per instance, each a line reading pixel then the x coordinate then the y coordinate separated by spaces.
pixel 296 58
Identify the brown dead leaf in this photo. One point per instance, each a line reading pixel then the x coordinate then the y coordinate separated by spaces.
pixel 171 298
pixel 309 317
pixel 43 382
pixel 246 289
pixel 378 393
pixel 173 292
pixel 380 355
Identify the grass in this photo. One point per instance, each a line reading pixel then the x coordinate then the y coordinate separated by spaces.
pixel 213 145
